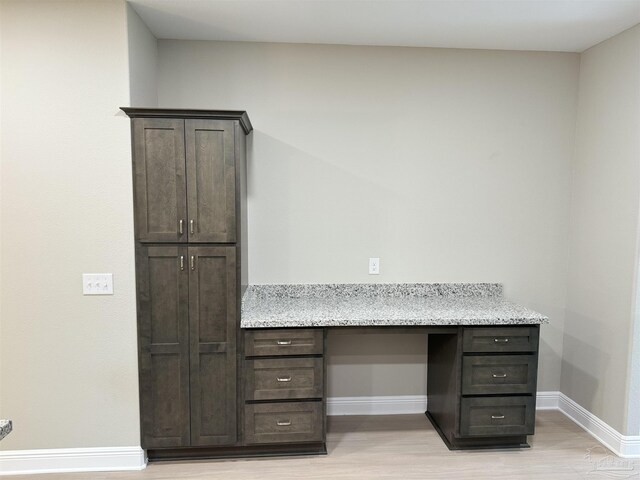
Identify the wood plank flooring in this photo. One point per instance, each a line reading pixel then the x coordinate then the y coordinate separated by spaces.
pixel 404 447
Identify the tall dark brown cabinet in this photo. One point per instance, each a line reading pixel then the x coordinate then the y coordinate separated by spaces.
pixel 189 176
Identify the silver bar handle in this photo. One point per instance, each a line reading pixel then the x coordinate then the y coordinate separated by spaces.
pixel 497 417
pixel 181 262
pixel 181 226
pixel 284 379
pixel 283 423
pixel 193 262
pixel 496 375
pixel 283 342
pixel 501 340
pixel 191 225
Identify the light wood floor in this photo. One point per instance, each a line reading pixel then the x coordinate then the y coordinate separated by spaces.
pixel 400 447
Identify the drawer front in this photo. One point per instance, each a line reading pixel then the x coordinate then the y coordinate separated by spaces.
pixel 284 378
pixel 497 416
pixel 284 422
pixel 285 341
pixel 500 339
pixel 498 374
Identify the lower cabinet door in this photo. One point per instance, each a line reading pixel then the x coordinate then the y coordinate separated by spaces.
pixel 497 416
pixel 284 422
pixel 212 324
pixel 163 346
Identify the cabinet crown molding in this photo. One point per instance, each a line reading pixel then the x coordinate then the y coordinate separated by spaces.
pixel 240 115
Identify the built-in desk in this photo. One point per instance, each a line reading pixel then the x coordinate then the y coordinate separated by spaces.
pixel 482 359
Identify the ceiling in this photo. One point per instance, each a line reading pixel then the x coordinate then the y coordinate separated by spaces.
pixel 552 25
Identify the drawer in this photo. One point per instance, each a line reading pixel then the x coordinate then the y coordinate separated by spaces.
pixel 497 416
pixel 498 374
pixel 284 341
pixel 284 422
pixel 284 378
pixel 500 339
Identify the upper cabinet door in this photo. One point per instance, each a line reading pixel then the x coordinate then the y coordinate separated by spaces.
pixel 211 180
pixel 159 180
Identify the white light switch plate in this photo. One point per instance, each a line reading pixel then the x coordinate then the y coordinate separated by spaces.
pixel 374 266
pixel 97 284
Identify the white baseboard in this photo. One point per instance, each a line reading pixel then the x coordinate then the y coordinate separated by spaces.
pixel 547 400
pixel 17 462
pixel 379 405
pixel 627 446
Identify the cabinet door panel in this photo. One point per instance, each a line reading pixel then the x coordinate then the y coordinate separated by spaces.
pixel 163 346
pixel 159 180
pixel 211 180
pixel 212 317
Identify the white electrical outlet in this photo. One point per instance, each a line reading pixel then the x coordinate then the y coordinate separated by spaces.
pixel 374 266
pixel 97 284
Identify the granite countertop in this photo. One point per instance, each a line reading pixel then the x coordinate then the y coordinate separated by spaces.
pixel 5 428
pixel 352 305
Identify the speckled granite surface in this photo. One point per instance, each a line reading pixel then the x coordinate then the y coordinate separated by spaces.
pixel 5 428
pixel 351 305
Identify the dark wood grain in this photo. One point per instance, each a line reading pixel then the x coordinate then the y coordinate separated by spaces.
pixel 211 180
pixel 284 378
pixel 283 422
pixel 163 346
pixel 212 326
pixel 499 374
pixel 284 341
pixel 500 339
pixel 497 416
pixel 443 381
pixel 159 180
pixel 241 116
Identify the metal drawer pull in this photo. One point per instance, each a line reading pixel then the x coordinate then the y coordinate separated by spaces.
pixel 284 379
pixel 191 226
pixel 495 375
pixel 283 423
pixel 497 417
pixel 501 340
pixel 193 262
pixel 283 342
pixel 181 226
pixel 181 262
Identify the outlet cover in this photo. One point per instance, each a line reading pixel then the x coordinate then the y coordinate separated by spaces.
pixel 374 266
pixel 97 284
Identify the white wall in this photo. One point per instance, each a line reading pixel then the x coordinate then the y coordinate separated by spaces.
pixel 68 366
pixel 143 62
pixel 603 261
pixel 450 165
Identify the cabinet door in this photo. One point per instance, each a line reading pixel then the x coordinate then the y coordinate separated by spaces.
pixel 163 345
pixel 211 181
pixel 212 316
pixel 159 180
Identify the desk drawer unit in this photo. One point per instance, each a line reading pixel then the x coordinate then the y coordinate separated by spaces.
pixel 284 387
pixel 498 373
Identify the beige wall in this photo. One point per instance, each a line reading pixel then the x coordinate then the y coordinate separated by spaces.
pixel 603 233
pixel 143 62
pixel 449 165
pixel 68 370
